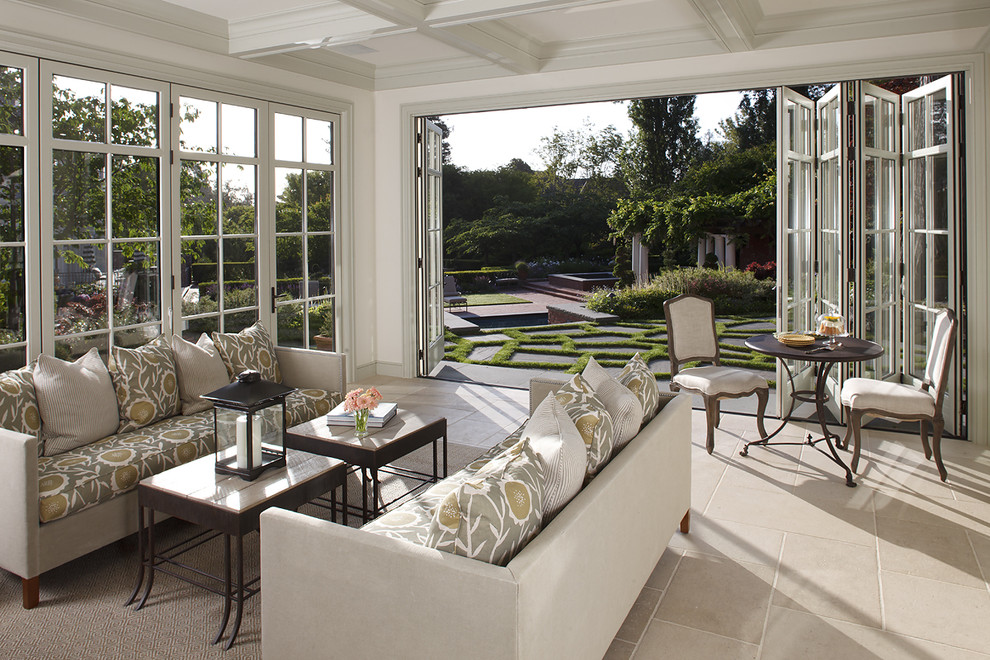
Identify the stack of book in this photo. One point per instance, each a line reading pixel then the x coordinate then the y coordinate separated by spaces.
pixel 377 418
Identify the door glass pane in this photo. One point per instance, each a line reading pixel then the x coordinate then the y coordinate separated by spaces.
pixel 319 200
pixel 135 197
pixel 80 288
pixel 319 141
pixel 78 109
pixel 321 320
pixel 320 260
pixel 11 193
pixel 919 255
pixel 940 270
pixel 288 200
pixel 136 284
pixel 289 325
pixel 134 116
pixel 870 121
pixel 192 328
pixel 918 357
pixel 288 137
pixel 917 197
pixel 239 275
pixel 78 195
pixel 13 306
pixel 238 187
pixel 237 321
pixel 940 193
pixel 870 280
pixel 888 267
pixel 238 130
pixel 198 182
pixel 916 124
pixel 870 192
pixel 200 274
pixel 940 117
pixel 289 267
pixel 198 125
pixel 11 100
pixel 73 348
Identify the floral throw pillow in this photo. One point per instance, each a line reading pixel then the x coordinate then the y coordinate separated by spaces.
pixel 495 513
pixel 622 404
pixel 19 403
pixel 592 420
pixel 636 375
pixel 251 348
pixel 146 385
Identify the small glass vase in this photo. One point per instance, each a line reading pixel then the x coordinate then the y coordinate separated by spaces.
pixel 361 422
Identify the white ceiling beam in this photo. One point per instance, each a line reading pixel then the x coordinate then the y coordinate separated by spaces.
pixel 728 23
pixel 457 12
pixel 498 46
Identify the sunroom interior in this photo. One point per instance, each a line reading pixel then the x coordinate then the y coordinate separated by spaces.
pixel 264 130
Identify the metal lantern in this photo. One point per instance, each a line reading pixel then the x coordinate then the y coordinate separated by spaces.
pixel 249 425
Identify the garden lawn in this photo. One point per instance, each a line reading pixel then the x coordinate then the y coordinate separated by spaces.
pixel 479 299
pixel 567 347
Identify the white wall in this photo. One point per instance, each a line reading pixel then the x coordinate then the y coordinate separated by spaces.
pixel 960 50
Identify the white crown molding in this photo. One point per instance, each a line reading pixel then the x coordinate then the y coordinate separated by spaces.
pixel 728 23
pixel 456 12
pixel 325 65
pixel 918 25
pixel 300 29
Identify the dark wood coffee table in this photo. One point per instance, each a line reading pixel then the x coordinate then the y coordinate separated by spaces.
pixel 404 433
pixel 227 506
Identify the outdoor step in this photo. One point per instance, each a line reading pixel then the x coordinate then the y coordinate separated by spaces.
pixel 543 287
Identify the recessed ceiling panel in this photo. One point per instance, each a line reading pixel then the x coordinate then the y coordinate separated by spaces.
pixel 776 7
pixel 606 19
pixel 393 50
pixel 237 10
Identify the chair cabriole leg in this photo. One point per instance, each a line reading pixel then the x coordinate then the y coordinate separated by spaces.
pixel 924 439
pixel 938 426
pixel 761 408
pixel 711 415
pixel 30 592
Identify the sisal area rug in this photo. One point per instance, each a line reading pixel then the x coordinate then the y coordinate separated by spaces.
pixel 82 613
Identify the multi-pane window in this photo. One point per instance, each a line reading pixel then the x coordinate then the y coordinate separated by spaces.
pixel 218 193
pixel 305 220
pixel 104 180
pixel 13 225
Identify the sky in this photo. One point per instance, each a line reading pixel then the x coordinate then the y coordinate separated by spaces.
pixel 488 140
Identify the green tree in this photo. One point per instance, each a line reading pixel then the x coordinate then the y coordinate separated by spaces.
pixel 755 121
pixel 665 142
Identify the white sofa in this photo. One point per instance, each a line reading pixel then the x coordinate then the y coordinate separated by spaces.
pixel 29 547
pixel 336 591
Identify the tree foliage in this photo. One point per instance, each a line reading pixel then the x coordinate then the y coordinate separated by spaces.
pixel 755 122
pixel 665 143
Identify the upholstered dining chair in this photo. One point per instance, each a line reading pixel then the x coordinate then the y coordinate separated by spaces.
pixel 691 338
pixel 864 396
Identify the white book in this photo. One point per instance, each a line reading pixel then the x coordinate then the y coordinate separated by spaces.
pixel 378 417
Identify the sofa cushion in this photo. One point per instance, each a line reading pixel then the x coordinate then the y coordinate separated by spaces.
pixel 495 513
pixel 622 404
pixel 76 401
pixel 97 472
pixel 592 419
pixel 200 370
pixel 251 348
pixel 636 375
pixel 18 402
pixel 559 445
pixel 146 385
pixel 303 405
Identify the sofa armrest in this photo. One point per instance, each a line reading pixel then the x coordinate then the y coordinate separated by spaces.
pixel 303 368
pixel 19 517
pixel 353 594
pixel 541 386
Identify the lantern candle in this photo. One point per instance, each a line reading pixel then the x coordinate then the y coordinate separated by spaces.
pixel 242 442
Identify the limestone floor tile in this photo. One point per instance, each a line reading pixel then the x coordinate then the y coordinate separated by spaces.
pixel 829 578
pixel 794 635
pixel 639 615
pixel 981 546
pixel 737 541
pixel 471 431
pixel 938 552
pixel 452 415
pixel 760 470
pixel 785 512
pixel 910 507
pixel 720 596
pixel 831 491
pixel 706 473
pixel 936 611
pixel 664 641
pixel 662 572
pixel 619 650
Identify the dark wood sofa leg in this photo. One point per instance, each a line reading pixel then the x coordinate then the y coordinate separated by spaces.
pixel 686 522
pixel 29 590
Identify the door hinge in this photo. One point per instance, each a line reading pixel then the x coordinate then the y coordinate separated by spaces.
pixel 419 138
pixel 419 171
pixel 171 158
pixel 419 262
pixel 421 354
pixel 901 269
pixel 273 300
pixel 173 283
pixel 851 274
pixel 171 110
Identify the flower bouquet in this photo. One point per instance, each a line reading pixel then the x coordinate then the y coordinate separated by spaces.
pixel 361 402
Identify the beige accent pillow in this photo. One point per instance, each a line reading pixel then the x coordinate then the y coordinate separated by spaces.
pixel 494 513
pixel 622 404
pixel 145 382
pixel 592 419
pixel 19 404
pixel 251 348
pixel 560 447
pixel 76 401
pixel 200 369
pixel 636 375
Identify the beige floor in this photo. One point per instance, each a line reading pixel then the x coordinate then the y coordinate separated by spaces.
pixel 783 560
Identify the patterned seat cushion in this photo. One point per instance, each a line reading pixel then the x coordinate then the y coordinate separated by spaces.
pixel 89 475
pixel 303 405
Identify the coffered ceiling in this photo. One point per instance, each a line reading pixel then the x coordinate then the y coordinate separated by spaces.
pixel 383 44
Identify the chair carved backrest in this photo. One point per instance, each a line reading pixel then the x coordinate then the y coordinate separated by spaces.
pixel 449 285
pixel 690 330
pixel 940 355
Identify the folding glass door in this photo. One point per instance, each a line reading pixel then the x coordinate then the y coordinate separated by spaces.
pixel 429 188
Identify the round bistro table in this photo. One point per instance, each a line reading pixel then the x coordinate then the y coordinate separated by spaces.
pixel 847 349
